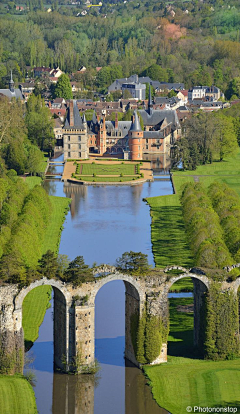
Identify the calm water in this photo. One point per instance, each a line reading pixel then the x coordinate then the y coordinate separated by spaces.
pixel 103 223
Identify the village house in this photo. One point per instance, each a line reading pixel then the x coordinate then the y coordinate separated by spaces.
pixel 211 93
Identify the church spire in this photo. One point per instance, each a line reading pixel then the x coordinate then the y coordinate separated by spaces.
pixel 11 83
pixel 150 104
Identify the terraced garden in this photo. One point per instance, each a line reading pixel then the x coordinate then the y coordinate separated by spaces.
pixel 103 172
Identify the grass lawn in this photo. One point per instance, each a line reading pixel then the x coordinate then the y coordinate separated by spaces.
pixel 34 307
pixel 60 206
pixel 180 340
pixel 104 169
pixel 32 181
pixel 16 396
pixel 227 171
pixel 168 232
pixel 183 382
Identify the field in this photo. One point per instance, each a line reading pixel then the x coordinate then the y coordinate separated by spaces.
pixel 16 396
pixel 184 382
pixel 60 206
pixel 180 340
pixel 168 232
pixel 227 171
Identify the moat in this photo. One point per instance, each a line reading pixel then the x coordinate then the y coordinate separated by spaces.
pixel 103 223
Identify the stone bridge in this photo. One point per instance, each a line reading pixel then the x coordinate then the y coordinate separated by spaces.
pixel 74 313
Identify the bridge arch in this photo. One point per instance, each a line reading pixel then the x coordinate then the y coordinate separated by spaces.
pixel 129 280
pixel 200 288
pixel 62 304
pixel 201 278
pixel 134 303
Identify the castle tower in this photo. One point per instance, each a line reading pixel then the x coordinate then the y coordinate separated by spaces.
pixel 102 136
pixel 135 139
pixel 75 136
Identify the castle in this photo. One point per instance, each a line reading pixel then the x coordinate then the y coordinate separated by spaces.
pixel 120 139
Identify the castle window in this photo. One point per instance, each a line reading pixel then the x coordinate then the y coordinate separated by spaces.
pixel 79 137
pixel 80 154
pixel 69 154
pixel 68 138
pixel 147 140
pixel 79 146
pixel 146 146
pixel 138 139
pixel 69 146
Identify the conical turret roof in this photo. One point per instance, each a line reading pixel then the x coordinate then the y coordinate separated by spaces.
pixel 136 123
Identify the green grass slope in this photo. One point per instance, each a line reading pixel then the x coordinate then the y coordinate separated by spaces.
pixel 169 241
pixel 186 382
pixel 16 396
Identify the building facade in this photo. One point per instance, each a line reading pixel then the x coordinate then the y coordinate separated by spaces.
pixel 75 138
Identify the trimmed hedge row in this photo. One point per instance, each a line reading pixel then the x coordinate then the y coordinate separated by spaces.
pixel 226 203
pixel 24 246
pixel 203 228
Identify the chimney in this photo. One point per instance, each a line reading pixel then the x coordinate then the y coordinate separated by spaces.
pixel 116 120
pixel 71 116
pixel 49 104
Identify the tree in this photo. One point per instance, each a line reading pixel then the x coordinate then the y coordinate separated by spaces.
pixel 48 264
pixel 39 123
pixel 77 272
pixel 225 139
pixel 34 159
pixel 132 262
pixel 63 88
pixel 156 73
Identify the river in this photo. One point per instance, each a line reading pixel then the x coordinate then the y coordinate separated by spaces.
pixel 103 222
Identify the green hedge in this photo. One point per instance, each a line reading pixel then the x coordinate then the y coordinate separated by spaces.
pixel 203 228
pixel 226 203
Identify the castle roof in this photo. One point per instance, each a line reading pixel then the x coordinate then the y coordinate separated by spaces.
pixel 73 119
pixel 157 116
pixel 136 127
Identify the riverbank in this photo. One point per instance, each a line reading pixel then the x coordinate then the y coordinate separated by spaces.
pixel 16 395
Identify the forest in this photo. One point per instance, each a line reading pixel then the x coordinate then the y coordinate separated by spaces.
pixel 192 42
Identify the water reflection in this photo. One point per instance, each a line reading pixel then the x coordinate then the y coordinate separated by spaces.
pixel 104 222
